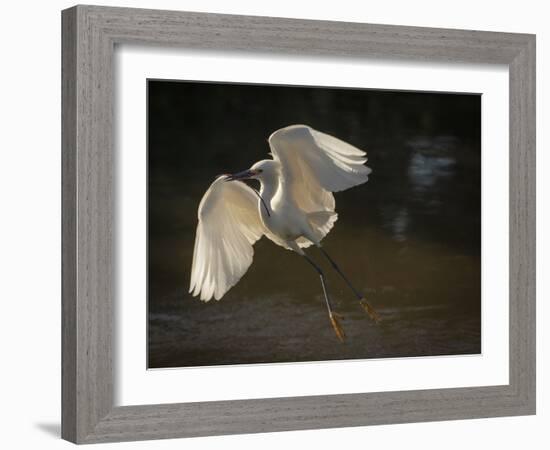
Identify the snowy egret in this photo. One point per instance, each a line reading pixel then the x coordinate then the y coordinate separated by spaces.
pixel 294 208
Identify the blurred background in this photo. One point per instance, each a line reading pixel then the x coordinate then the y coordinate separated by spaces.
pixel 410 238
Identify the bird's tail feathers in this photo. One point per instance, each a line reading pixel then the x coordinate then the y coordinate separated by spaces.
pixel 321 222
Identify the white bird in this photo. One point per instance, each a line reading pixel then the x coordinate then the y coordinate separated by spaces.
pixel 294 208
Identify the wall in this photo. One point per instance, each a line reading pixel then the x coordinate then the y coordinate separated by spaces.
pixel 30 225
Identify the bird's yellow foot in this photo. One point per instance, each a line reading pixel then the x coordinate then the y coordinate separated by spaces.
pixel 369 310
pixel 335 321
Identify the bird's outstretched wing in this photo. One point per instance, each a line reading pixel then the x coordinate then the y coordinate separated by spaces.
pixel 229 223
pixel 315 164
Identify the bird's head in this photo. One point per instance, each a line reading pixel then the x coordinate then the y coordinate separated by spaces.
pixel 259 171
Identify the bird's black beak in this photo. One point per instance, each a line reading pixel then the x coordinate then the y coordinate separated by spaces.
pixel 245 174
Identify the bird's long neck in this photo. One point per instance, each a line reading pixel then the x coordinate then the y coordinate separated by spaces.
pixel 268 189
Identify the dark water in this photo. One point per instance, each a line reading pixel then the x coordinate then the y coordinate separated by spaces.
pixel 409 238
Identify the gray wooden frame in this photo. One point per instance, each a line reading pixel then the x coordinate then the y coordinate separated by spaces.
pixel 89 36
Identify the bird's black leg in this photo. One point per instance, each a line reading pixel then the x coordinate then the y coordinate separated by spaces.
pixel 334 317
pixel 362 300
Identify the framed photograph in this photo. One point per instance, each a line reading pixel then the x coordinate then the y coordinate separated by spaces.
pixel 279 224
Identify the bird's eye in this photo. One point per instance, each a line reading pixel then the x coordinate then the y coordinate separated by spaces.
pixel 260 170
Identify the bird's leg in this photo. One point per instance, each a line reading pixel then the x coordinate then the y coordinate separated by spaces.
pixel 334 317
pixel 362 300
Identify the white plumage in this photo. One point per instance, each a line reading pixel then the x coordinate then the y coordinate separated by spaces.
pixel 295 207
pixel 229 224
